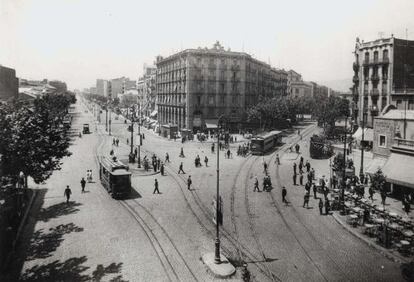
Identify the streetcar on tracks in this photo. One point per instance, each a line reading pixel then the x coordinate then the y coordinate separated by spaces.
pixel 262 144
pixel 115 177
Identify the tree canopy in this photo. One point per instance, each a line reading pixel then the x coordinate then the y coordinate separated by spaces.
pixel 33 138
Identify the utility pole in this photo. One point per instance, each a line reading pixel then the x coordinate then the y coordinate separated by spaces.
pixel 132 134
pixel 106 117
pixel 344 172
pixel 140 137
pixel 217 259
pixel 110 121
pixel 361 169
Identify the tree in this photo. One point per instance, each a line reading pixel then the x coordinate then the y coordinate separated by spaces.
pixel 328 111
pixel 378 180
pixel 32 140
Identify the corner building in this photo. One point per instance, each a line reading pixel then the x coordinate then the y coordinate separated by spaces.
pixel 196 86
pixel 383 76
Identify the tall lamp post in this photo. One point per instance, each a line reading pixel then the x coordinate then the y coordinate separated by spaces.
pixel 217 259
pixel 110 119
pixel 132 135
pixel 344 172
pixel 140 137
pixel 361 169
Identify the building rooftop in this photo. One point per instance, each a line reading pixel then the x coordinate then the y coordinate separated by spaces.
pixel 398 115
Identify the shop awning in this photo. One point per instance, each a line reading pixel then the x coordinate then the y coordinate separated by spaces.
pixel 375 164
pixel 399 170
pixel 211 123
pixel 368 134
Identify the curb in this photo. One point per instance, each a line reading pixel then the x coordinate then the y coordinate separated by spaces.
pixel 20 229
pixel 373 245
pixel 26 213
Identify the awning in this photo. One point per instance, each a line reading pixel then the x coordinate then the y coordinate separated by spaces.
pixel 368 134
pixel 399 170
pixel 154 113
pixel 211 123
pixel 375 164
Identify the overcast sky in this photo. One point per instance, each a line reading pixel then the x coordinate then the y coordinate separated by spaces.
pixel 78 41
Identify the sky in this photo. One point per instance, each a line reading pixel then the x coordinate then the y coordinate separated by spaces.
pixel 78 41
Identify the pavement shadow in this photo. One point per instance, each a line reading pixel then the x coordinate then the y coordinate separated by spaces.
pixel 72 269
pixel 133 195
pixel 57 210
pixel 42 245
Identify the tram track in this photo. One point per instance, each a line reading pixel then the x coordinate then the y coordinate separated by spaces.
pixel 167 252
pixel 288 226
pixel 154 242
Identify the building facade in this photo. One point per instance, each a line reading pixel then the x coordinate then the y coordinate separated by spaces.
pixel 9 84
pixel 120 85
pixel 383 75
pixel 146 86
pixel 393 149
pixel 103 87
pixel 196 86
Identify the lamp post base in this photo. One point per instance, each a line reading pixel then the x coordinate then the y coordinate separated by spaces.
pixel 217 251
pixel 223 270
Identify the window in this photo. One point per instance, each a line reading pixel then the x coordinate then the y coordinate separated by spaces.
pixel 376 56
pixel 385 55
pixel 366 57
pixel 382 142
pixel 296 90
pixel 211 100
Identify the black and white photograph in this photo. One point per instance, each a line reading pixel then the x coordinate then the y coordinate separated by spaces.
pixel 219 140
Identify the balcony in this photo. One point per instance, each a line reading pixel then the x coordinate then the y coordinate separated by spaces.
pixel 385 60
pixel 355 79
pixel 355 66
pixel 365 62
pixel 365 92
pixel 384 92
pixel 374 92
pixel 403 143
pixel 374 77
pixel 384 77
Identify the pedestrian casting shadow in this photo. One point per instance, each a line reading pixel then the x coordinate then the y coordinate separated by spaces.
pixel 72 269
pixel 43 244
pixel 57 210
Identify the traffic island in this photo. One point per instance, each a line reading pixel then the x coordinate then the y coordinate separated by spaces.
pixel 224 269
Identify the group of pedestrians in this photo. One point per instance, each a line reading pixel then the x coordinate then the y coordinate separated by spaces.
pixel 243 150
pixel 68 192
pixel 115 142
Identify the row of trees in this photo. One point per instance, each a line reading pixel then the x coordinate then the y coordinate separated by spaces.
pixel 326 110
pixel 34 139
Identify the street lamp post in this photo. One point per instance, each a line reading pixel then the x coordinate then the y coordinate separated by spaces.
pixel 132 135
pixel 344 172
pixel 106 117
pixel 139 134
pixel 217 259
pixel 110 121
pixel 361 169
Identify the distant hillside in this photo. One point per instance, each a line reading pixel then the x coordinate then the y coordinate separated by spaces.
pixel 342 85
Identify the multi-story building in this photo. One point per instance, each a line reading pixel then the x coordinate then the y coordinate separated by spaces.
pixel 383 75
pixel 196 86
pixel 393 149
pixel 9 84
pixel 59 85
pixel 146 86
pixel 120 85
pixel 103 87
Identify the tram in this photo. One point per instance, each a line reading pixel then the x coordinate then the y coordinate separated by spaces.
pixel 115 177
pixel 261 144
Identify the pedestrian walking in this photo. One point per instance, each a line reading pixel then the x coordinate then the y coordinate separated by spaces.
pixel 67 193
pixel 301 178
pixel 383 197
pixel 294 168
pixel 371 193
pixel 158 163
pixel 264 167
pixel 111 152
pixel 313 173
pixel 189 182
pixel 256 185
pixel 180 170
pixel 277 159
pixel 284 192
pixel 156 187
pixel 306 200
pixel 228 153
pixel 212 148
pixel 308 166
pixel 300 167
pixel 314 191
pixel 182 153
pixel 320 206
pixel 167 158
pixel 294 178
pixel 301 160
pixel 206 161
pixel 327 206
pixel 83 184
pixel 162 169
pixel 127 141
pixel 297 148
